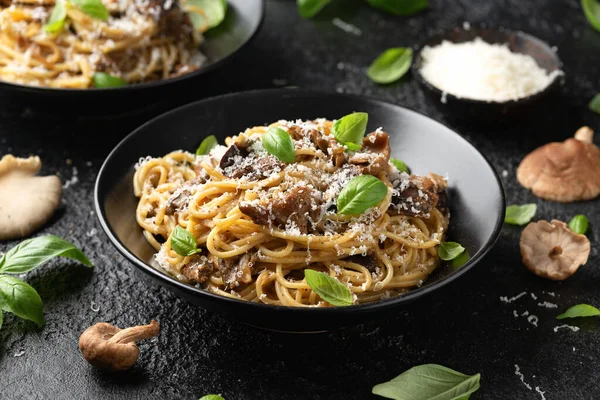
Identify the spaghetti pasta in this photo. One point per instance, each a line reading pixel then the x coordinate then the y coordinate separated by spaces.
pixel 260 222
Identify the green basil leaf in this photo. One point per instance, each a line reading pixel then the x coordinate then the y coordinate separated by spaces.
pixel 93 8
pixel 209 143
pixel 212 397
pixel 520 214
pixel 391 65
pixel 183 242
pixel 461 259
pixel 19 298
pixel 591 9
pixel 400 165
pixel 429 381
pixel 214 12
pixel 279 143
pixel 360 194
pixel 579 224
pixel 57 17
pixel 329 289
pixel 32 253
pixel 310 8
pixel 595 104
pixel 104 80
pixel 399 7
pixel 580 310
pixel 350 130
pixel 450 250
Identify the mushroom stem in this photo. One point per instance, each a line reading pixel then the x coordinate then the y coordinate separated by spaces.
pixel 555 252
pixel 135 333
pixel 585 134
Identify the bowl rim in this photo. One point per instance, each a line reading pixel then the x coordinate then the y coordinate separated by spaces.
pixel 145 85
pixel 357 308
pixel 417 60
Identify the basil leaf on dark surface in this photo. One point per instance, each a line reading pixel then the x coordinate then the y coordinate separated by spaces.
pixel 31 253
pixel 57 17
pixel 213 13
pixel 329 289
pixel 183 242
pixel 350 129
pixel 104 80
pixel 19 298
pixel 93 8
pixel 450 250
pixel 212 397
pixel 595 104
pixel 310 8
pixel 400 165
pixel 579 224
pixel 391 65
pixel 209 143
pixel 591 9
pixel 360 194
pixel 399 7
pixel 580 310
pixel 520 214
pixel 461 259
pixel 429 381
pixel 279 143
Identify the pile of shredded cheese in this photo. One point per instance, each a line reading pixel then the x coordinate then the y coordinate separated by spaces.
pixel 483 71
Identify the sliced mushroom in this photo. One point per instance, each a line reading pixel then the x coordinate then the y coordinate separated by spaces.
pixel 27 201
pixel 564 172
pixel 107 347
pixel 552 250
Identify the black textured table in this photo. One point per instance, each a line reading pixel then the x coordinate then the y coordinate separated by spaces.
pixel 473 325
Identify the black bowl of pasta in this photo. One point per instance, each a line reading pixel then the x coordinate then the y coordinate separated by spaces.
pixel 299 211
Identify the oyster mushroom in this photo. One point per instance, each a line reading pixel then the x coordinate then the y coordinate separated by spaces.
pixel 552 250
pixel 107 347
pixel 27 201
pixel 563 172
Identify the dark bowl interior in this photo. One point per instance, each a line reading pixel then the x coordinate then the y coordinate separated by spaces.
pixel 241 23
pixel 476 195
pixel 479 110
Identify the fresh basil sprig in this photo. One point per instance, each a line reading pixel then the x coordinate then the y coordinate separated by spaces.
pixel 213 13
pixel 18 297
pixel 400 165
pixel 350 130
pixel 580 310
pixel 183 242
pixel 429 381
pixel 591 9
pixel 57 17
pixel 310 8
pixel 93 8
pixel 212 397
pixel 104 80
pixel 595 104
pixel 360 194
pixel 579 224
pixel 329 289
pixel 450 250
pixel 399 7
pixel 520 214
pixel 279 143
pixel 461 259
pixel 391 65
pixel 209 143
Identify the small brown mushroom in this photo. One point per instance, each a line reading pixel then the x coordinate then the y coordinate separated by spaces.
pixel 107 347
pixel 27 201
pixel 552 250
pixel 563 172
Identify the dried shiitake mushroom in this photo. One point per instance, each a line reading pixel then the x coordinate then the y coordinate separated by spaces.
pixel 552 250
pixel 563 172
pixel 107 347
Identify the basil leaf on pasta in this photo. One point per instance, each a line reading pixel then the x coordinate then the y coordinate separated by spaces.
pixel 580 310
pixel 57 17
pixel 360 194
pixel 450 250
pixel 520 214
pixel 391 65
pixel 350 130
pixel 104 80
pixel 461 259
pixel 21 299
pixel 579 224
pixel 209 143
pixel 399 7
pixel 400 165
pixel 93 8
pixel 279 143
pixel 329 289
pixel 183 242
pixel 310 8
pixel 595 104
pixel 591 9
pixel 212 397
pixel 212 13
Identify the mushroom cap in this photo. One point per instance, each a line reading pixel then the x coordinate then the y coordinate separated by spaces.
pixel 552 250
pixel 27 201
pixel 564 172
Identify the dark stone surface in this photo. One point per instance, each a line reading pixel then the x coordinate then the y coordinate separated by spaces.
pixel 466 327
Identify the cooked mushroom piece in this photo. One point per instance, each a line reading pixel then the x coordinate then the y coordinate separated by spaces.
pixel 27 201
pixel 107 347
pixel 563 172
pixel 552 250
